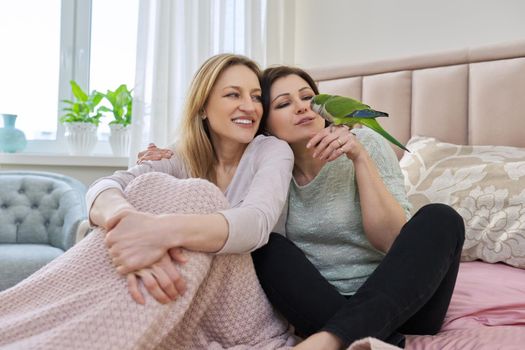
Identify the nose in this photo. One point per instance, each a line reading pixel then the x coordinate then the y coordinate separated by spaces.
pixel 247 104
pixel 302 107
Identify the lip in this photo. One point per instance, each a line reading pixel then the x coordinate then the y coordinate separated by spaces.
pixel 305 120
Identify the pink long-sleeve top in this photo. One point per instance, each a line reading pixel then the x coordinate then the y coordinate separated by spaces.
pixel 257 192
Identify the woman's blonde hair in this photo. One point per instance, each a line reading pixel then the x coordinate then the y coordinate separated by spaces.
pixel 194 145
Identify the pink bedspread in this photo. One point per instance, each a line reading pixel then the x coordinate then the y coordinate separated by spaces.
pixel 487 311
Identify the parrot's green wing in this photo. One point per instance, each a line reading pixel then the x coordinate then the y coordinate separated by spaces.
pixel 340 107
pixel 374 125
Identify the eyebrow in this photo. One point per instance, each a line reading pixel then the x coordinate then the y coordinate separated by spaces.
pixel 239 88
pixel 287 93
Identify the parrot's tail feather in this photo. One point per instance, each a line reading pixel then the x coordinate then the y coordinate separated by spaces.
pixel 374 125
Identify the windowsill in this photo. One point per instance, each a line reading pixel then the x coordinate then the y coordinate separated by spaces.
pixel 97 160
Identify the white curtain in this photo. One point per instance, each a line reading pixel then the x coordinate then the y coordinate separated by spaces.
pixel 176 36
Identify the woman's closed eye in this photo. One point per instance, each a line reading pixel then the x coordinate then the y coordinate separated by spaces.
pixel 282 104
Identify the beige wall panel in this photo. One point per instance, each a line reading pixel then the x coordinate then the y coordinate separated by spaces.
pixel 497 97
pixel 440 103
pixel 350 87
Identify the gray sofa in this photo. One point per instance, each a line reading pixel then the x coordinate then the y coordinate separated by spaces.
pixel 40 214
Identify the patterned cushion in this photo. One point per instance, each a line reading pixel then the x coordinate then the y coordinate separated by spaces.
pixel 485 184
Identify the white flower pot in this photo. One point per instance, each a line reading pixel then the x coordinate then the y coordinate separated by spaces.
pixel 81 138
pixel 119 139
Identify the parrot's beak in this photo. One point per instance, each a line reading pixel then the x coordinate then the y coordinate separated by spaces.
pixel 317 108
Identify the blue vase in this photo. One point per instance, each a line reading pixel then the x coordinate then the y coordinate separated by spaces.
pixel 11 139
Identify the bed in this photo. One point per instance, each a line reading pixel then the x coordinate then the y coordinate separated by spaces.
pixel 462 115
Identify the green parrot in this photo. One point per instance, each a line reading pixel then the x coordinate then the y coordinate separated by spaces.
pixel 341 110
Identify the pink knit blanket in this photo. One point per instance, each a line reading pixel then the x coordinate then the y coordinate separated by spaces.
pixel 78 301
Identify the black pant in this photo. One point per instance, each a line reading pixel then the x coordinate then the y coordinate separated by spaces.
pixel 408 293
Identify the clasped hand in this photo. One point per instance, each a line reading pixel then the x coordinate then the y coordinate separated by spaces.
pixel 137 246
pixel 334 141
pixel 162 280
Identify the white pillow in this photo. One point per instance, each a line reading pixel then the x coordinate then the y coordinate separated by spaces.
pixel 485 184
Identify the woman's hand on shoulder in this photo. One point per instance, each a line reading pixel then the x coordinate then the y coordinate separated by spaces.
pixel 334 141
pixel 154 153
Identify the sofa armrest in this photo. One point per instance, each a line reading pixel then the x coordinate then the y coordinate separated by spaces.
pixel 82 230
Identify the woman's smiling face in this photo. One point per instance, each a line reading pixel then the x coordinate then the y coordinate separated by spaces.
pixel 234 106
pixel 290 117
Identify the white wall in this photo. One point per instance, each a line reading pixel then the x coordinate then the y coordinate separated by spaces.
pixel 338 32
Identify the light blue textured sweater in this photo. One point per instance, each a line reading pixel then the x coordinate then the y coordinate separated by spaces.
pixel 324 216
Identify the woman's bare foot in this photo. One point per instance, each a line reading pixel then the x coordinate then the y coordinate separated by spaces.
pixel 320 341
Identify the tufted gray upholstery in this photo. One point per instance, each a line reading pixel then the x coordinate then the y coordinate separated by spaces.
pixel 39 216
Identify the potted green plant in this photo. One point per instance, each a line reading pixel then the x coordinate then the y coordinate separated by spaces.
pixel 81 120
pixel 121 102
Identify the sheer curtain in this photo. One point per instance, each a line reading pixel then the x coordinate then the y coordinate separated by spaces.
pixel 176 36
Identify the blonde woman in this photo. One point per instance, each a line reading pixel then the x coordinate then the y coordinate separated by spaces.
pixel 217 142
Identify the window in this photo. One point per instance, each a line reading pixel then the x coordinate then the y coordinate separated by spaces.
pixel 47 43
pixel 29 65
pixel 113 47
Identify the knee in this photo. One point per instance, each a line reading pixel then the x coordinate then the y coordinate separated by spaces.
pixel 158 181
pixel 451 223
pixel 192 195
pixel 146 186
pixel 441 211
pixel 149 178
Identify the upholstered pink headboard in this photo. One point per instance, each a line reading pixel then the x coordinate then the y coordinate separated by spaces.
pixel 471 96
